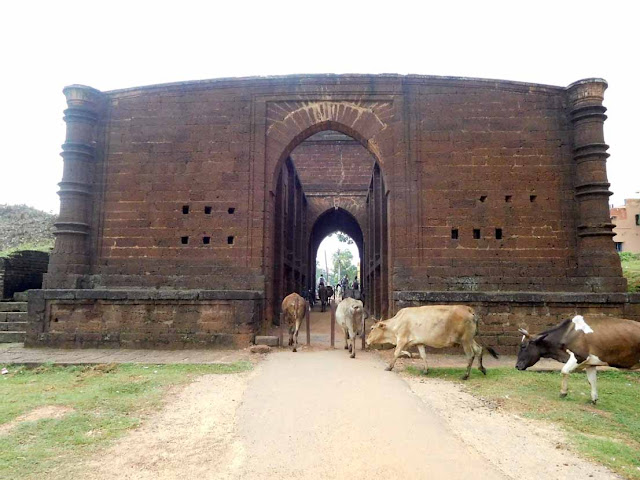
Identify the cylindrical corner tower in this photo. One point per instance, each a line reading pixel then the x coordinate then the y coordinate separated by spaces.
pixel 596 252
pixel 70 259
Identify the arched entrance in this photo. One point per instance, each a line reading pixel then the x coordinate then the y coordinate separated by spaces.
pixel 329 182
pixel 331 221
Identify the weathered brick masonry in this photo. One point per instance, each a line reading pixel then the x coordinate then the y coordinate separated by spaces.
pixel 212 193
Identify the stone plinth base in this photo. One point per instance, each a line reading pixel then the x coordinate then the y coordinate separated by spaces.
pixel 173 319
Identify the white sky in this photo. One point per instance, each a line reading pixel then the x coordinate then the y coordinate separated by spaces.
pixel 117 44
pixel 331 244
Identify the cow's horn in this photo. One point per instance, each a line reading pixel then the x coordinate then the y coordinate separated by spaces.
pixel 524 332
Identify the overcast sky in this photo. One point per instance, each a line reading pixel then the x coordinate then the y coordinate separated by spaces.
pixel 118 44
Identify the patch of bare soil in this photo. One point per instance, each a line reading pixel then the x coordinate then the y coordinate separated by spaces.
pixel 518 447
pixel 40 413
pixel 192 437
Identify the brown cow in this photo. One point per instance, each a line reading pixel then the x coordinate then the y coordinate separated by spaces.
pixel 581 345
pixel 436 326
pixel 294 308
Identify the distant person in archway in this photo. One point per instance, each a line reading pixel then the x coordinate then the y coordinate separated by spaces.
pixel 356 289
pixel 344 284
pixel 321 281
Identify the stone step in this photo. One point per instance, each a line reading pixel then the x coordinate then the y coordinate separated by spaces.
pixel 13 317
pixel 13 326
pixel 12 337
pixel 271 341
pixel 20 297
pixel 13 306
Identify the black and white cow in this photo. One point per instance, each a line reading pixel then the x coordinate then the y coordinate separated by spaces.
pixel 582 344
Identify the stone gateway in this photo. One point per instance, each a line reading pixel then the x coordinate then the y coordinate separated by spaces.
pixel 190 210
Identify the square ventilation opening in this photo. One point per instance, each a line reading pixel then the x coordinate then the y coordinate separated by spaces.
pixel 231 210
pixel 206 240
pixel 207 210
pixel 476 233
pixel 454 234
pixel 507 198
pixel 532 198
pixel 184 240
pixel 185 209
pixel 230 240
pixel 498 233
pixel 483 198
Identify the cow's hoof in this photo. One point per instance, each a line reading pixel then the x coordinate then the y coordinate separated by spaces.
pixel 295 349
pixel 483 370
pixel 350 348
pixel 388 369
pixel 425 371
pixel 593 402
pixel 465 377
pixel 346 348
pixel 353 355
pixel 562 395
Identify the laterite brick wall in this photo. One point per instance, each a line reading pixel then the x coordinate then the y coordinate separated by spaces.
pixel 22 271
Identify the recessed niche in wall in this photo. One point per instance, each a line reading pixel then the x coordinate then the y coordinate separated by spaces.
pixel 185 209
pixel 206 240
pixel 231 210
pixel 184 240
pixel 499 233
pixel 507 198
pixel 207 210
pixel 532 198
pixel 230 240
pixel 476 233
pixel 483 198
pixel 454 233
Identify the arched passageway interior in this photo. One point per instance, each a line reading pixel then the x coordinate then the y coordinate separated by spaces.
pixel 328 183
pixel 332 221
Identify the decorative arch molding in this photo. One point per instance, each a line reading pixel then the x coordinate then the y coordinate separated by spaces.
pixel 290 123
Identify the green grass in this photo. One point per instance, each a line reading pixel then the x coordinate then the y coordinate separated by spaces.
pixel 107 400
pixel 608 432
pixel 44 246
pixel 631 270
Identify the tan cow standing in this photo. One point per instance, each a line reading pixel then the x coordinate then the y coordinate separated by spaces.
pixel 349 316
pixel 437 326
pixel 294 308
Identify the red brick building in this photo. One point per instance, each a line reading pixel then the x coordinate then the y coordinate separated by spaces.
pixel 189 210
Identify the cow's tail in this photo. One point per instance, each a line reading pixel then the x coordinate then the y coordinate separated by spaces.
pixel 491 351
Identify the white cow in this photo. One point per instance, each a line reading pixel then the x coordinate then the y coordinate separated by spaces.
pixel 349 316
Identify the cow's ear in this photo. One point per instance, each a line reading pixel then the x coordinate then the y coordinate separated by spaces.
pixel 540 338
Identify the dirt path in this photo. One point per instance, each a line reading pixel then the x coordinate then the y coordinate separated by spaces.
pixel 321 415
pixel 516 446
pixel 192 438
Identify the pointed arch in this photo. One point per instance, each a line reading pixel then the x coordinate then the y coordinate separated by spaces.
pixel 299 122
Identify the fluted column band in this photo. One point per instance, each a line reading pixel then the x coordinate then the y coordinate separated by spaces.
pixel 71 257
